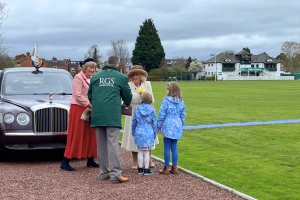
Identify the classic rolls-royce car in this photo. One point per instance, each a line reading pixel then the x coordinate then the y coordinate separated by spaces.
pixel 34 107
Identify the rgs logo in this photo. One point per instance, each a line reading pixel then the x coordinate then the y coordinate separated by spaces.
pixel 107 82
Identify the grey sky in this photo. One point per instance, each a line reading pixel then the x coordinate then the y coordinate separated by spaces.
pixel 196 28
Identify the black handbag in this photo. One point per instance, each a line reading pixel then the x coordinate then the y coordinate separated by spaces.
pixel 126 110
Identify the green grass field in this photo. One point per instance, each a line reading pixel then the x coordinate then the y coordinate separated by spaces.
pixel 261 160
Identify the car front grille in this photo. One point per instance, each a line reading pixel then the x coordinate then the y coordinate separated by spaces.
pixel 51 120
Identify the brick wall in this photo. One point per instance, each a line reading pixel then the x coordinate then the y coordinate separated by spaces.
pixel 27 62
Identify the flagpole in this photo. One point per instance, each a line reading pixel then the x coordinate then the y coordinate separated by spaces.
pixel 216 66
pixel 37 47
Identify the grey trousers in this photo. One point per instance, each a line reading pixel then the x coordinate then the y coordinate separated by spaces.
pixel 108 148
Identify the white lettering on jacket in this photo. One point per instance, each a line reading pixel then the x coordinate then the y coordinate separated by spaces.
pixel 106 82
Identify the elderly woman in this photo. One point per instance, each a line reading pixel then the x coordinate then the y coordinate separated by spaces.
pixel 81 139
pixel 137 77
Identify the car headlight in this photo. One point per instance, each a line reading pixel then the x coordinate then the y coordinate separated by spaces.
pixel 9 118
pixel 23 119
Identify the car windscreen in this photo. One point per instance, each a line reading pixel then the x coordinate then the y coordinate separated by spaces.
pixel 16 83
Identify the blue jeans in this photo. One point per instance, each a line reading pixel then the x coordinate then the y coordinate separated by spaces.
pixel 170 144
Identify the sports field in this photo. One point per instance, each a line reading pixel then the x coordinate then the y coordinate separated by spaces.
pixel 262 160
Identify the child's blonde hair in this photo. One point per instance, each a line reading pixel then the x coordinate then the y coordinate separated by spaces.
pixel 174 90
pixel 146 97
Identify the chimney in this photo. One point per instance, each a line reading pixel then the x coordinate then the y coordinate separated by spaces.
pixel 54 59
pixel 28 54
pixel 68 61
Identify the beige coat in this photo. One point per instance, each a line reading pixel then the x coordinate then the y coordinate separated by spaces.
pixel 128 140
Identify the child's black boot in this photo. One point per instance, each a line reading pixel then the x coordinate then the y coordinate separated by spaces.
pixel 140 170
pixel 148 171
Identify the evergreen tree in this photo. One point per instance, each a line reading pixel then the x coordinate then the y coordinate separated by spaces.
pixel 246 49
pixel 95 57
pixel 187 65
pixel 148 50
pixel 94 52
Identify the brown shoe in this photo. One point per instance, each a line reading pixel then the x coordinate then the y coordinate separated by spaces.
pixel 108 177
pixel 123 179
pixel 134 160
pixel 165 171
pixel 151 164
pixel 174 170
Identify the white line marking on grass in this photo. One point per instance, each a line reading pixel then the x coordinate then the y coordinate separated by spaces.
pixel 242 124
pixel 239 124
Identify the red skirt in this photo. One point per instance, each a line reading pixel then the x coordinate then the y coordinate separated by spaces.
pixel 81 139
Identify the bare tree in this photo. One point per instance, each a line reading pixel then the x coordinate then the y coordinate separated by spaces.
pixel 94 52
pixel 179 61
pixel 291 49
pixel 6 61
pixel 229 52
pixel 3 16
pixel 120 49
pixel 163 69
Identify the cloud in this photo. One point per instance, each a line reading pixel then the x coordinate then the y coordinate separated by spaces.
pixel 66 29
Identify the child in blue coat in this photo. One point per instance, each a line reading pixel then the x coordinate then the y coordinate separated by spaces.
pixel 170 123
pixel 144 128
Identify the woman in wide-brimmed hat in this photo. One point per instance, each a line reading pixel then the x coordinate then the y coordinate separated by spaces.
pixel 81 139
pixel 137 79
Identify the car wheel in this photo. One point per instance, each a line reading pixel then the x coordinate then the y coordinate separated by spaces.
pixel 4 156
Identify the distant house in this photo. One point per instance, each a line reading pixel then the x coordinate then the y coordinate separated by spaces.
pixel 58 64
pixel 73 66
pixel 173 62
pixel 23 60
pixel 244 66
pixel 127 67
pixel 66 64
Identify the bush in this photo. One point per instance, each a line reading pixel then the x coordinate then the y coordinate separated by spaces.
pixel 177 69
pixel 164 72
pixel 154 72
pixel 210 78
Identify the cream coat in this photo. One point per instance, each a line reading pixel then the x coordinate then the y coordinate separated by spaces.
pixel 128 140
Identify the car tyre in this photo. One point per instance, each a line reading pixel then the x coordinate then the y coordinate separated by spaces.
pixel 4 156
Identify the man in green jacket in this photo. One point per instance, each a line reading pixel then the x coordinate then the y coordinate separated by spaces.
pixel 107 87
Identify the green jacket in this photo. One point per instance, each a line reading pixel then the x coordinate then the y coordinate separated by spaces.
pixel 105 92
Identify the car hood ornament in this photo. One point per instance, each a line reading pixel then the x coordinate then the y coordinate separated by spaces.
pixel 50 97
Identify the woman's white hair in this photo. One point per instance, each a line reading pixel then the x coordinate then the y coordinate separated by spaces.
pixel 142 77
pixel 92 64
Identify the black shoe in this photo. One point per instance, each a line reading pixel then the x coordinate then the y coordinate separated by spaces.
pixel 148 172
pixel 65 165
pixel 91 163
pixel 140 170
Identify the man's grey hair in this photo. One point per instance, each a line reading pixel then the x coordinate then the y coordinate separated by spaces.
pixel 113 60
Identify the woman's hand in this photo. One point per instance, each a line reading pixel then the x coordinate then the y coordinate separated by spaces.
pixel 89 106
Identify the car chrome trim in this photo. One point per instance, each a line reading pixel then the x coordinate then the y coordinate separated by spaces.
pixel 14 103
pixel 51 119
pixel 48 105
pixel 35 134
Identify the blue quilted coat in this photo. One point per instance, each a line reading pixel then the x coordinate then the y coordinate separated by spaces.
pixel 144 125
pixel 171 117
